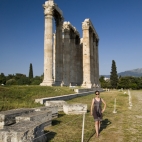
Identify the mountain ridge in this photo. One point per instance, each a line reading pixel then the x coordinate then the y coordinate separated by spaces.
pixel 134 72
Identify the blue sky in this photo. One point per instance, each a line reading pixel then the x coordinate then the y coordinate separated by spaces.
pixel 117 22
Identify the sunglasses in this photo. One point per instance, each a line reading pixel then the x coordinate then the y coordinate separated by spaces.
pixel 97 94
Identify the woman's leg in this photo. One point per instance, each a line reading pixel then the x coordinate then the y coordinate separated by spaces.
pixel 97 128
pixel 99 125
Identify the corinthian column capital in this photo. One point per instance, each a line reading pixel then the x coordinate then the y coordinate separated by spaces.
pixel 48 10
pixel 85 25
pixel 66 27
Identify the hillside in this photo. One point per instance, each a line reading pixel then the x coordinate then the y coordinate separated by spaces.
pixel 135 72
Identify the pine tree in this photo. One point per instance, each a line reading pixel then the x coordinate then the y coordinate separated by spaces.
pixel 31 71
pixel 113 75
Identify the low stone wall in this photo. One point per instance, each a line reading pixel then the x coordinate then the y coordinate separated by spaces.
pixel 41 116
pixel 24 131
pixel 82 90
pixel 87 90
pixel 25 125
pixel 59 104
pixel 53 109
pixel 8 117
pixel 65 97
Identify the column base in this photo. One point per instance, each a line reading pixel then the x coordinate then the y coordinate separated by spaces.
pixel 73 84
pixel 86 85
pixel 47 83
pixel 57 83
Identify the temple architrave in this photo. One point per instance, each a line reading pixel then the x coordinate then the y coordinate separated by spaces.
pixel 69 59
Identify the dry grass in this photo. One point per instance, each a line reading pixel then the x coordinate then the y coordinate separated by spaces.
pixel 124 126
pixel 16 96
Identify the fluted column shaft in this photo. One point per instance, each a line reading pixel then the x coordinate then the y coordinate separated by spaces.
pixel 48 51
pixel 77 60
pixel 92 57
pixel 72 59
pixel 86 57
pixel 54 56
pixel 66 56
pixel 97 62
pixel 59 54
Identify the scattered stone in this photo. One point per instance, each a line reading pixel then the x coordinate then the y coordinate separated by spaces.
pixel 8 117
pixel 25 131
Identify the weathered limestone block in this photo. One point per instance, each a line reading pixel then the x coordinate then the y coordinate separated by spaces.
pixel 8 117
pixel 24 131
pixel 58 103
pixel 41 116
pixel 83 90
pixel 53 109
pixel 76 108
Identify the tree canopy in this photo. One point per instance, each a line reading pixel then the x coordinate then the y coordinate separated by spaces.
pixel 113 75
pixel 31 71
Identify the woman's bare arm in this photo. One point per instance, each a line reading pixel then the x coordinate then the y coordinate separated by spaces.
pixel 92 104
pixel 104 105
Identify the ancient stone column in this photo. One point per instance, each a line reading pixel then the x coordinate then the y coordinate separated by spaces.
pixel 66 54
pixel 86 56
pixel 59 52
pixel 48 48
pixel 77 61
pixel 54 56
pixel 92 56
pixel 72 58
pixel 81 60
pixel 97 61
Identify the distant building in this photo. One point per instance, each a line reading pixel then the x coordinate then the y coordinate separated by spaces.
pixel 106 79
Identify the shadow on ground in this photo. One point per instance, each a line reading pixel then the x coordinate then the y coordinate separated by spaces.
pixel 104 125
pixel 55 122
pixel 49 135
pixel 61 114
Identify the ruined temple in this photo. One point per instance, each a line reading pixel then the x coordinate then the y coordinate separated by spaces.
pixel 68 58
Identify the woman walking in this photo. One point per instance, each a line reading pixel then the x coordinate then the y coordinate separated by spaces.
pixel 97 111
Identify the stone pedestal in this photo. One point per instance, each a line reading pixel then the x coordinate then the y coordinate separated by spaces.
pixel 76 108
pixel 59 104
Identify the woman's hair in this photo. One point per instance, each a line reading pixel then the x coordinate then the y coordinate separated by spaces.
pixel 97 92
